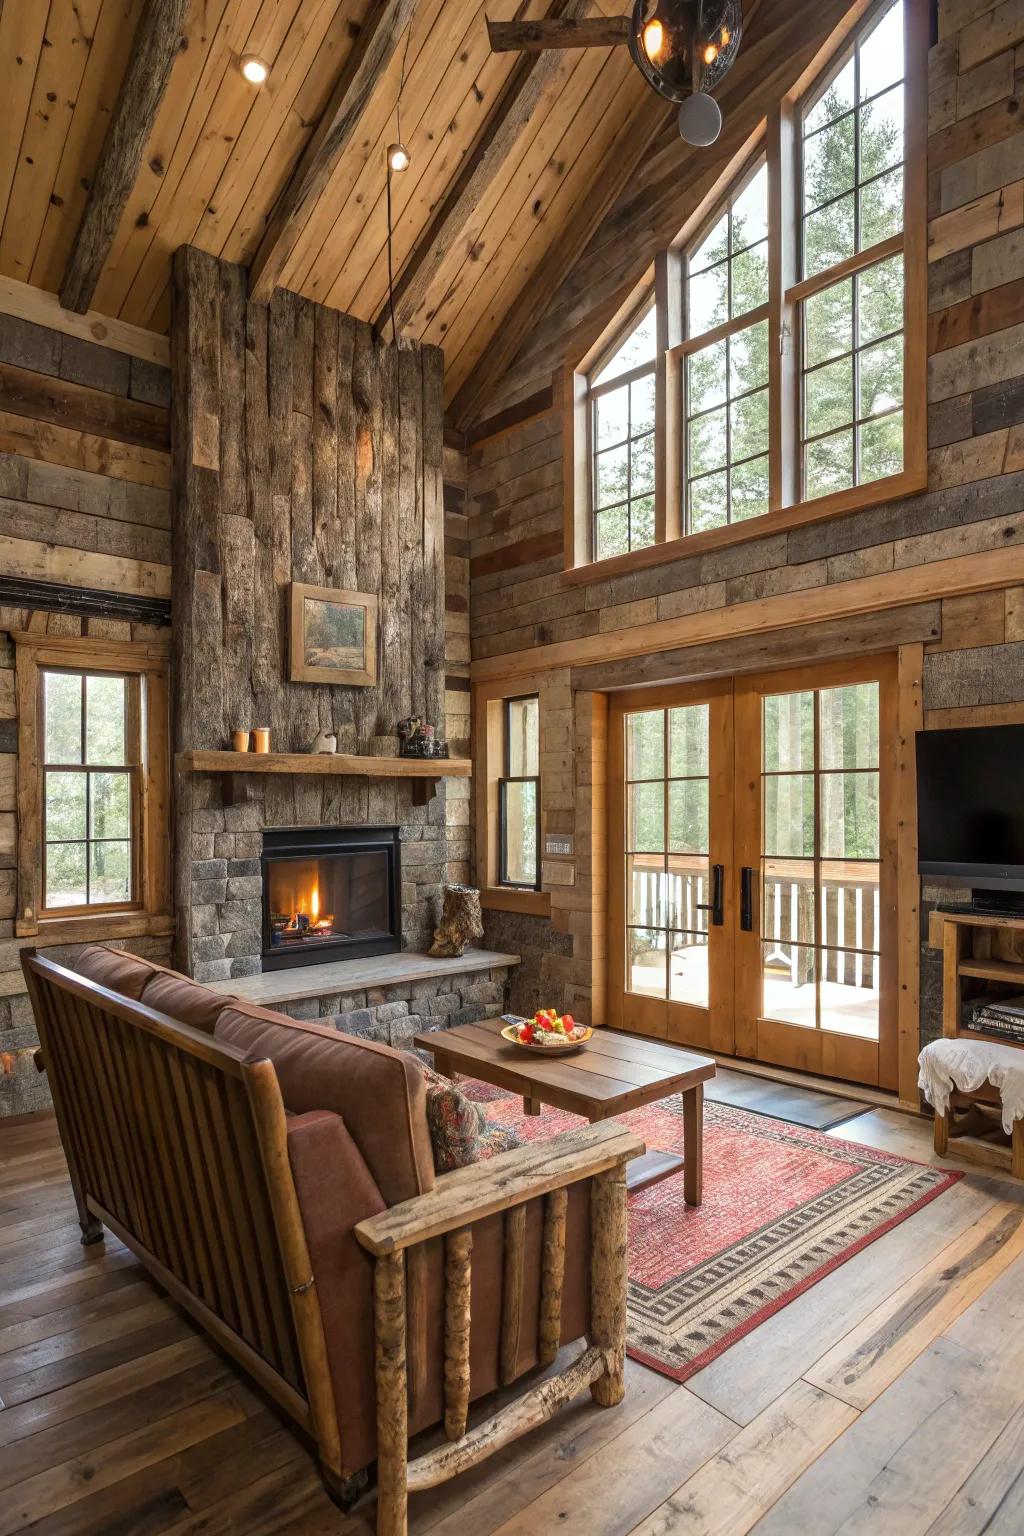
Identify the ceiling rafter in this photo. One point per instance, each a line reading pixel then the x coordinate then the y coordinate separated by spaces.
pixel 364 68
pixel 157 43
pixel 646 120
pixel 513 108
pixel 557 31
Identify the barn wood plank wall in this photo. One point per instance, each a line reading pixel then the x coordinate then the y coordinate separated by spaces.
pixel 305 450
pixel 84 502
pixel 973 669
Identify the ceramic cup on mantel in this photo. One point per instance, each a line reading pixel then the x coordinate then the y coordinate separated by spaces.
pixel 261 740
pixel 239 741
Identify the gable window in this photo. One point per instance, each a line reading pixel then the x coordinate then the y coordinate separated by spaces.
pixel 519 795
pixel 90 789
pixel 621 419
pixel 852 214
pixel 779 370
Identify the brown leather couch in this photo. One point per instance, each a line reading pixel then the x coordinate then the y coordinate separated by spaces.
pixel 277 1177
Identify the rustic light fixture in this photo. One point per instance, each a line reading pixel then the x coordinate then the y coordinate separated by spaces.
pixel 254 69
pixel 398 157
pixel 683 48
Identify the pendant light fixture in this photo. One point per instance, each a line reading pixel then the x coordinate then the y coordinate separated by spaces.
pixel 683 49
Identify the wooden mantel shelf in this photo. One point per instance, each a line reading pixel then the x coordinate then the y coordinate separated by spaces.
pixel 423 771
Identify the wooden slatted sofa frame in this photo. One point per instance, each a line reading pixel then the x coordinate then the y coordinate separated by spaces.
pixel 178 1143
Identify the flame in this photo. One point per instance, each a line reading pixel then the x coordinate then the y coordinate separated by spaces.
pixel 314 903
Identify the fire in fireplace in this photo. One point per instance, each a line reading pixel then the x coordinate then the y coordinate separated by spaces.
pixel 330 893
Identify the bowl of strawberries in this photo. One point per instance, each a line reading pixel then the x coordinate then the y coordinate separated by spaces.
pixel 548 1033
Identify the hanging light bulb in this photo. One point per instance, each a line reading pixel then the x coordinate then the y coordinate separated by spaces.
pixel 399 158
pixel 653 38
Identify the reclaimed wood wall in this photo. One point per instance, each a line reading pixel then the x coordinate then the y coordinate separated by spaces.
pixel 304 449
pixel 974 644
pixel 84 503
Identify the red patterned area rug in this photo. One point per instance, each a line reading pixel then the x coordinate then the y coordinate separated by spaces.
pixel 783 1206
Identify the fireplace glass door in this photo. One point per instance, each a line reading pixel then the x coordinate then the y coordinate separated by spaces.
pixel 332 897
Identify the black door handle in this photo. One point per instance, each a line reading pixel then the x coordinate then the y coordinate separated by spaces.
pixel 716 905
pixel 746 898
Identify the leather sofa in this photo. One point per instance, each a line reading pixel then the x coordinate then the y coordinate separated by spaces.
pixel 277 1178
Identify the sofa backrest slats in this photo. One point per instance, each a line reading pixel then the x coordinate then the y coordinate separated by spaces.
pixel 173 1140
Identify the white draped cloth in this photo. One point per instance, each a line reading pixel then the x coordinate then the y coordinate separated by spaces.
pixel 968 1065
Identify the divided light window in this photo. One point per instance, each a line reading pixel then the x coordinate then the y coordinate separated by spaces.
pixel 519 794
pixel 726 431
pixel 91 737
pixel 621 420
pixel 794 334
pixel 852 205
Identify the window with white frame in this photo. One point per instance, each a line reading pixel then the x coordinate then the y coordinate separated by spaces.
pixel 621 422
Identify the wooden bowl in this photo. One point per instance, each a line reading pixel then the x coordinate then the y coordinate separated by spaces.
pixel 510 1034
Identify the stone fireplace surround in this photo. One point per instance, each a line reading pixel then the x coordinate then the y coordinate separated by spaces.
pixel 303 449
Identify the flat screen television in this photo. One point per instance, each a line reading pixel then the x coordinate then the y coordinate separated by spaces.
pixel 970 806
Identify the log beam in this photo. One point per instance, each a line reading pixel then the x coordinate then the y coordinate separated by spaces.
pixel 154 50
pixel 379 36
pixel 457 1284
pixel 392 1405
pixel 609 1274
pixel 552 1276
pixel 557 32
pixel 516 105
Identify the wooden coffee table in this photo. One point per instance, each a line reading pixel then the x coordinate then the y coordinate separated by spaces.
pixel 612 1073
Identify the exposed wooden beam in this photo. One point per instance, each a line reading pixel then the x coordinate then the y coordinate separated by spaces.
pixel 646 120
pixel 378 38
pixel 557 32
pixel 154 50
pixel 516 104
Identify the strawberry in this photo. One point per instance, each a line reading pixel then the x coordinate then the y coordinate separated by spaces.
pixel 546 1023
pixel 568 1021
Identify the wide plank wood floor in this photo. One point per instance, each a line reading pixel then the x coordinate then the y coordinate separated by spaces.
pixel 888 1399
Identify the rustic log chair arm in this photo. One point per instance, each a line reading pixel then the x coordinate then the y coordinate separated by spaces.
pixel 598 1153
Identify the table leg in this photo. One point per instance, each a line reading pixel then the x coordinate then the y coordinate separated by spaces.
pixel 442 1065
pixel 693 1144
pixel 531 1106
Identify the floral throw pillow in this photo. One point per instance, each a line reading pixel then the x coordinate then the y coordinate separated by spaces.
pixel 459 1133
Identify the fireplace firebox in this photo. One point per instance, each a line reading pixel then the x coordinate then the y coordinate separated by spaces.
pixel 330 893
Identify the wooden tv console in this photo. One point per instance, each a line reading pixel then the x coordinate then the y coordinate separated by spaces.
pixel 977 948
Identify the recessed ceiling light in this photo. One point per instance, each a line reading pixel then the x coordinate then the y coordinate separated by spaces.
pixel 254 69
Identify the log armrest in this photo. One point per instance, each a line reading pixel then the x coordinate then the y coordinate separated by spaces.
pixel 467 1195
pixel 597 1154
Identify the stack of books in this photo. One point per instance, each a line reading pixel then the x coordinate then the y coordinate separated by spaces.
pixel 1004 1019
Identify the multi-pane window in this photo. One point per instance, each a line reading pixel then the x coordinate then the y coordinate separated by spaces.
pixel 792 323
pixel 820 913
pixel 90 789
pixel 726 430
pixel 667 860
pixel 852 204
pixel 519 794
pixel 621 397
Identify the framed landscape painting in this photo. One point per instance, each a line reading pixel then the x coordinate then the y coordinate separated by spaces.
pixel 333 635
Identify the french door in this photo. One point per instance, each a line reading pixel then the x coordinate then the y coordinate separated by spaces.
pixel 752 879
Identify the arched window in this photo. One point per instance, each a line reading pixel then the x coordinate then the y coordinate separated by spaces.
pixel 621 425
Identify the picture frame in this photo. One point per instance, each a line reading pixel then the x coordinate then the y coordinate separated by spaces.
pixel 333 635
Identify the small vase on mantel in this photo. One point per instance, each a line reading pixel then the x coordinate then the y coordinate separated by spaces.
pixel 261 740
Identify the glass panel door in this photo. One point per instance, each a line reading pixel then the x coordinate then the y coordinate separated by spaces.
pixel 670 850
pixel 815 987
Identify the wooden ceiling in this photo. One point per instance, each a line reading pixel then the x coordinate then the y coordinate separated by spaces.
pixel 221 152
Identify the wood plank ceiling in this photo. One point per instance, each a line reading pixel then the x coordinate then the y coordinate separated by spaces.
pixel 221 152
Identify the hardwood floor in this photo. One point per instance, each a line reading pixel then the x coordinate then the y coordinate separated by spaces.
pixel 888 1399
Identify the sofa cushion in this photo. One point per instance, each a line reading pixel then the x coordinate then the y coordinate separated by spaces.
pixel 379 1093
pixel 118 970
pixel 185 1000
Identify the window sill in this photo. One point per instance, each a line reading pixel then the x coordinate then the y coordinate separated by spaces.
pixel 893 488
pixel 95 927
pixel 506 898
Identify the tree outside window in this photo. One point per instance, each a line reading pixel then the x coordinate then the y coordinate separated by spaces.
pixel 621 400
pixel 519 794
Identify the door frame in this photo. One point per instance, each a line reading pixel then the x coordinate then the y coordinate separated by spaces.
pixel 710 1028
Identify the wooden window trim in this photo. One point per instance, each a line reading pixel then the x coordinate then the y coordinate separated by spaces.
pixel 778 140
pixel 489 702
pixel 508 777
pixel 150 912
